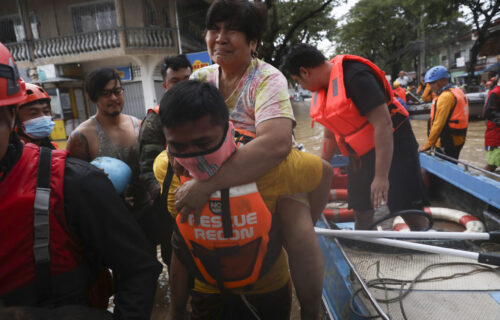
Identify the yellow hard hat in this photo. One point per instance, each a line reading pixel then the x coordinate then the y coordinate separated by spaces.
pixel 396 84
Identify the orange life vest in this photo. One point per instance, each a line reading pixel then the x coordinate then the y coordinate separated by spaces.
pixel 332 108
pixel 235 242
pixel 156 109
pixel 400 92
pixel 458 119
pixel 229 249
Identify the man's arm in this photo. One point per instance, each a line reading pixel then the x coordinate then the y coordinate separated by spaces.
pixel 152 142
pixel 492 108
pixel 78 146
pixel 179 287
pixel 272 144
pixel 380 119
pixel 109 232
pixel 329 145
pixel 443 108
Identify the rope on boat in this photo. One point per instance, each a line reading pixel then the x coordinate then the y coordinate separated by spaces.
pixel 381 283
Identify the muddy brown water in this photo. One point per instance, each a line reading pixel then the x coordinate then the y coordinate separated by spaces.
pixel 472 152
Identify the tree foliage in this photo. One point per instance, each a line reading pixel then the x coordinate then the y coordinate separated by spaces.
pixel 296 21
pixel 391 32
pixel 482 14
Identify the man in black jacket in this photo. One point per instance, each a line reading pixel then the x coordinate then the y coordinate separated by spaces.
pixel 60 222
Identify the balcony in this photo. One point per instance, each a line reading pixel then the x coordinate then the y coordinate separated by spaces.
pixel 94 42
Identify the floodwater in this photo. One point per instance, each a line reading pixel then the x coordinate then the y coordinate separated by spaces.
pixel 472 152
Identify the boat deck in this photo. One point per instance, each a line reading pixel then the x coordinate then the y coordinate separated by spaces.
pixel 475 296
pixel 462 296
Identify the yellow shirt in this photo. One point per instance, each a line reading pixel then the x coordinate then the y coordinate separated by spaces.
pixel 300 172
pixel 444 104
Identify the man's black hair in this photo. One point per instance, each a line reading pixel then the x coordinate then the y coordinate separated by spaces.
pixel 301 55
pixel 97 80
pixel 175 63
pixel 243 15
pixel 191 100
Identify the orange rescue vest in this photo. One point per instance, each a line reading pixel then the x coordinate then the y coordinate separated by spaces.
pixel 401 93
pixel 232 245
pixel 229 248
pixel 458 119
pixel 332 108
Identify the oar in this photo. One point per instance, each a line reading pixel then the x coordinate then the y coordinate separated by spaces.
pixel 481 257
pixel 493 236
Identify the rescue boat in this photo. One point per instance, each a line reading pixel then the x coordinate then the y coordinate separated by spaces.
pixel 457 277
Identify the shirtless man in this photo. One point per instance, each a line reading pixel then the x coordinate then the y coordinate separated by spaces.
pixel 110 132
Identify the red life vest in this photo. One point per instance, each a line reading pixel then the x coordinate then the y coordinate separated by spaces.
pixel 492 134
pixel 17 232
pixel 332 108
pixel 458 119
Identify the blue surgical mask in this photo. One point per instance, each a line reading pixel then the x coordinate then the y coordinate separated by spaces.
pixel 39 128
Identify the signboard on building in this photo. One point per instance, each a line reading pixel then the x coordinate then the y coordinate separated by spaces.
pixel 460 62
pixel 125 73
pixel 199 59
pixel 70 70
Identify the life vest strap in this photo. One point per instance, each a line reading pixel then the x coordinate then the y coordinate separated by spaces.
pixel 41 225
pixel 227 225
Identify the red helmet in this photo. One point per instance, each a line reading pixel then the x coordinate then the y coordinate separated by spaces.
pixel 12 87
pixel 34 93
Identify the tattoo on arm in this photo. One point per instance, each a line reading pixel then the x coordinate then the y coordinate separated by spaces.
pixel 78 146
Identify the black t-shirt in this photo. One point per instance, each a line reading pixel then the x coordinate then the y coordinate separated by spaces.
pixel 367 91
pixel 363 86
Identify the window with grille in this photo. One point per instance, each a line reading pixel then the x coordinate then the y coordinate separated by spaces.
pixel 93 17
pixel 12 30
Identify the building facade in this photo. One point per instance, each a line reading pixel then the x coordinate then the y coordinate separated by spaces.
pixel 455 54
pixel 57 42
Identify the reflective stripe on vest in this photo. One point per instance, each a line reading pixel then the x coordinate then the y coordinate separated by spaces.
pixel 20 267
pixel 235 260
pixel 41 225
pixel 332 108
pixel 458 119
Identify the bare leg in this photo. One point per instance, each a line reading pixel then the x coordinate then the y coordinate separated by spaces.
pixel 179 286
pixel 304 255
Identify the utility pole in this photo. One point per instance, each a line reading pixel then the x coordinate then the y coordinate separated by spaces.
pixel 178 30
pixel 25 20
pixel 421 58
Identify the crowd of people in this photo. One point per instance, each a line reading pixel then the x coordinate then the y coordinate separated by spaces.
pixel 216 180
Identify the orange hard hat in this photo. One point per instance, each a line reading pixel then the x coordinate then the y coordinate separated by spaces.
pixel 12 87
pixel 34 93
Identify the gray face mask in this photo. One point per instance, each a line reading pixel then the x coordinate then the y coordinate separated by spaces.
pixel 39 128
